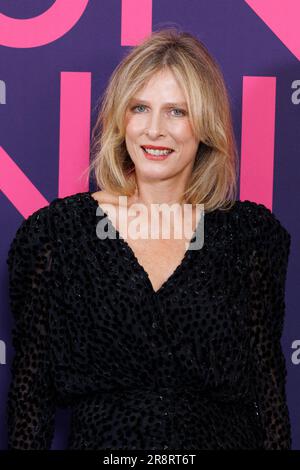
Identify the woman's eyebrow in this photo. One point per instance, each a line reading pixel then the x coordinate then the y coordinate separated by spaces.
pixel 183 103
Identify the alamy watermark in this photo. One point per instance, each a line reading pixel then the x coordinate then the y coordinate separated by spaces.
pixel 155 223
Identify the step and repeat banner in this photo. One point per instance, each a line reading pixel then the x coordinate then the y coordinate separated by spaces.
pixel 55 60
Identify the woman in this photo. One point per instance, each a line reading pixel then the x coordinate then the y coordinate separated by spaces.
pixel 151 343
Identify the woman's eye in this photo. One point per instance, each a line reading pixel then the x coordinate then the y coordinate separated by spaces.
pixel 181 111
pixel 138 106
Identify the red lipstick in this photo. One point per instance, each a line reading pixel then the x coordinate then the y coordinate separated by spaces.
pixel 155 147
pixel 156 157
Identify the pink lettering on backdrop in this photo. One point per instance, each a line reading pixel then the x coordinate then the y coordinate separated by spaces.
pixel 257 144
pixel 74 145
pixel 18 188
pixel 74 135
pixel 136 21
pixel 44 28
pixel 282 17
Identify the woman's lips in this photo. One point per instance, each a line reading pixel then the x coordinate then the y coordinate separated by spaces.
pixel 158 147
pixel 156 157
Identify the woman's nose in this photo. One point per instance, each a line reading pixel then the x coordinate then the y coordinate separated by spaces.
pixel 155 125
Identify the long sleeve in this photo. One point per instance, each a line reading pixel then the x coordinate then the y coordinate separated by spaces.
pixel 268 269
pixel 30 404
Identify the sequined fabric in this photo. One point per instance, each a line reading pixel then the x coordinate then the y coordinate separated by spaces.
pixel 197 364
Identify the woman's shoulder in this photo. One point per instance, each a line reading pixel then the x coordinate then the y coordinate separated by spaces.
pixel 255 220
pixel 32 231
pixel 73 203
pixel 46 223
pixel 77 203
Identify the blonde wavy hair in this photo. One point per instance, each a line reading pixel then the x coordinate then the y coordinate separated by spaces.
pixel 213 180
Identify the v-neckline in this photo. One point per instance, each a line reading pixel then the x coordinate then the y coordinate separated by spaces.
pixel 169 280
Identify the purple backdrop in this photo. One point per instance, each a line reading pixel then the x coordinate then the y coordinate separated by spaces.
pixel 30 97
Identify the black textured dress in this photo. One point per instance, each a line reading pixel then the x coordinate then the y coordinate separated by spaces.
pixel 197 364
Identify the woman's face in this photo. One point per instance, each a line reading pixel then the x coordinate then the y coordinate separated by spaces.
pixel 150 120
